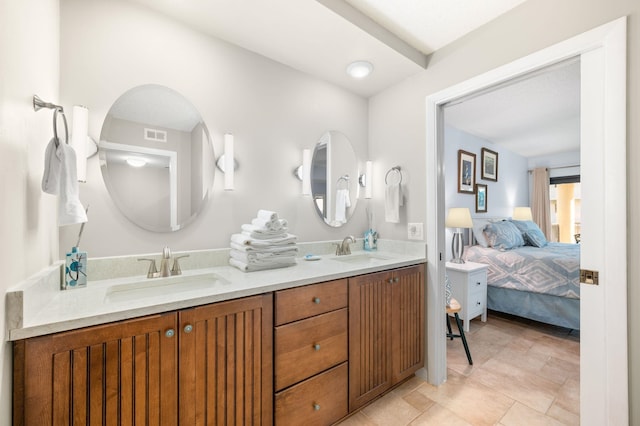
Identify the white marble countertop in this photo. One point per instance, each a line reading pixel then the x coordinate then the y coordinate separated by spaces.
pixel 37 306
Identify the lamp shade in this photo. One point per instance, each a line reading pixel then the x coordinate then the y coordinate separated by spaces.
pixel 522 213
pixel 458 217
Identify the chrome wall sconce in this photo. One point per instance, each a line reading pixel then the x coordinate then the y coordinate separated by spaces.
pixel 303 172
pixel 366 180
pixel 227 163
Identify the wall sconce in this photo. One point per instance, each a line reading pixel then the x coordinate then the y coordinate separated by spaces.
pixel 227 162
pixel 522 213
pixel 303 172
pixel 79 135
pixel 366 180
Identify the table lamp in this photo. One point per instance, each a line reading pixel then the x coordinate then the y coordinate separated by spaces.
pixel 458 218
pixel 522 213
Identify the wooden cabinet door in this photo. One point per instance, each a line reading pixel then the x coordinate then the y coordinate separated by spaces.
pixel 226 359
pixel 369 337
pixel 123 373
pixel 407 311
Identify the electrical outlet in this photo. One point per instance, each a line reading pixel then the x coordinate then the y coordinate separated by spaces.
pixel 415 231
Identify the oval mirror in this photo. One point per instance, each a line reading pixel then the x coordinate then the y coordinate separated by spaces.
pixel 334 178
pixel 156 158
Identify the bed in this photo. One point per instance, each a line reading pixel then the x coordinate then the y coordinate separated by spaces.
pixel 529 278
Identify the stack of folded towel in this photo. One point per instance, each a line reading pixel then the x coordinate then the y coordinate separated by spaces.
pixel 263 244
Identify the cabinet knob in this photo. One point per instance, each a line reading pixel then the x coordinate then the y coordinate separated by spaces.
pixel 316 347
pixel 316 300
pixel 478 303
pixel 316 406
pixel 188 328
pixel 478 283
pixel 170 332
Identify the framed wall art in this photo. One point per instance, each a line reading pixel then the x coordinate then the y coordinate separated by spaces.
pixel 466 172
pixel 489 165
pixel 481 198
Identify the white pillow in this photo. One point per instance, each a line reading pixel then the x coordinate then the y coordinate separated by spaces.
pixel 478 231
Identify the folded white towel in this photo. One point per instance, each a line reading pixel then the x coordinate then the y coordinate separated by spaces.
pixel 267 215
pixel 262 258
pixel 246 267
pixel 262 233
pixel 61 178
pixel 243 239
pixel 269 225
pixel 392 203
pixel 264 249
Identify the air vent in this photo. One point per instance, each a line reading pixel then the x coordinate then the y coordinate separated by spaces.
pixel 155 135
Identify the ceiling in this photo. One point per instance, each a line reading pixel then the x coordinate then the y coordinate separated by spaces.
pixel 322 37
pixel 536 115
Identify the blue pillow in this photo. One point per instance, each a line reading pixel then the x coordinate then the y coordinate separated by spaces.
pixel 532 234
pixel 503 235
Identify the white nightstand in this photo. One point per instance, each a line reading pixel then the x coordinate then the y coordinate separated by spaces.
pixel 469 288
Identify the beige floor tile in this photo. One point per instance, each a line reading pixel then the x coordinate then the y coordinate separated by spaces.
pixel 418 401
pixel 528 388
pixel 358 419
pixel 439 415
pixel 391 410
pixel 569 396
pixel 520 414
pixel 565 417
pixel 559 370
pixel 408 386
pixel 470 400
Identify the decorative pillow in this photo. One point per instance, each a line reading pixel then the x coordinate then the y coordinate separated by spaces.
pixel 532 234
pixel 478 230
pixel 503 235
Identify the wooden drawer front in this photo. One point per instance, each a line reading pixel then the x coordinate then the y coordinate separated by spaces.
pixel 304 302
pixel 321 400
pixel 307 347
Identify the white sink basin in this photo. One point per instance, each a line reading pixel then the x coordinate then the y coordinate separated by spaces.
pixel 362 258
pixel 153 287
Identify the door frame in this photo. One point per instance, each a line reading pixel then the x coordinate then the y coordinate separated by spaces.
pixel 603 368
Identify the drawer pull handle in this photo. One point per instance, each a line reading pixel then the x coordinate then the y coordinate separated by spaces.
pixel 316 347
pixel 316 300
pixel 478 303
pixel 316 406
pixel 170 332
pixel 478 283
pixel 188 328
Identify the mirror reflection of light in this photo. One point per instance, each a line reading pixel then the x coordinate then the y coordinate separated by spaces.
pixel 136 162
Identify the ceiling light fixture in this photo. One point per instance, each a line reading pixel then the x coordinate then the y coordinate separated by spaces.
pixel 359 69
pixel 136 162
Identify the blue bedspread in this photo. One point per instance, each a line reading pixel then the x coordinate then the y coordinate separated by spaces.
pixel 553 269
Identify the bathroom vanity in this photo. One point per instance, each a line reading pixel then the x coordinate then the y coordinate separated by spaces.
pixel 316 342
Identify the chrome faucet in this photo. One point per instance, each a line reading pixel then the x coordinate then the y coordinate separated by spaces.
pixel 344 248
pixel 164 265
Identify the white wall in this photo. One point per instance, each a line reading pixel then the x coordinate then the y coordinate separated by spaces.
pixel 397 116
pixel 28 65
pixel 108 47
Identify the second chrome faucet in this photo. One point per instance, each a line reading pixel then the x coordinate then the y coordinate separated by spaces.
pixel 164 265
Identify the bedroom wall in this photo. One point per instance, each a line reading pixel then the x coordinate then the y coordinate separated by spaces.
pixel 511 189
pixel 29 64
pixel 397 123
pixel 274 112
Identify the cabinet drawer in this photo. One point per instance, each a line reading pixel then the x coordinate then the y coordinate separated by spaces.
pixel 477 281
pixel 303 302
pixel 476 304
pixel 321 400
pixel 307 347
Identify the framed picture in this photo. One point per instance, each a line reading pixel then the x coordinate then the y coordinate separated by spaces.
pixel 489 165
pixel 466 172
pixel 481 198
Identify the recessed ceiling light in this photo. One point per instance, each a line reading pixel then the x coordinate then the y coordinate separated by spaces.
pixel 359 69
pixel 136 162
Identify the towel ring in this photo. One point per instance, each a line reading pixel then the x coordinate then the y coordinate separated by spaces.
pixel 55 127
pixel 395 169
pixel 345 179
pixel 39 104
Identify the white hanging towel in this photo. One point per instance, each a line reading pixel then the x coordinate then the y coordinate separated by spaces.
pixel 392 203
pixel 343 202
pixel 61 178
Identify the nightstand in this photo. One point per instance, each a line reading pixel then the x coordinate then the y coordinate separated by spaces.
pixel 469 287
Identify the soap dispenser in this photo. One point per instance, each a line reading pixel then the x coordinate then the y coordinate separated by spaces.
pixel 75 271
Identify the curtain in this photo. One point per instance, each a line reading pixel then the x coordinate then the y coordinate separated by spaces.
pixel 540 204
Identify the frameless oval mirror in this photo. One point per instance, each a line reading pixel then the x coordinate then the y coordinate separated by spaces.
pixel 156 158
pixel 334 178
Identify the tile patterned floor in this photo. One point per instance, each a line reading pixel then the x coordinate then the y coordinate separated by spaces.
pixel 524 373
